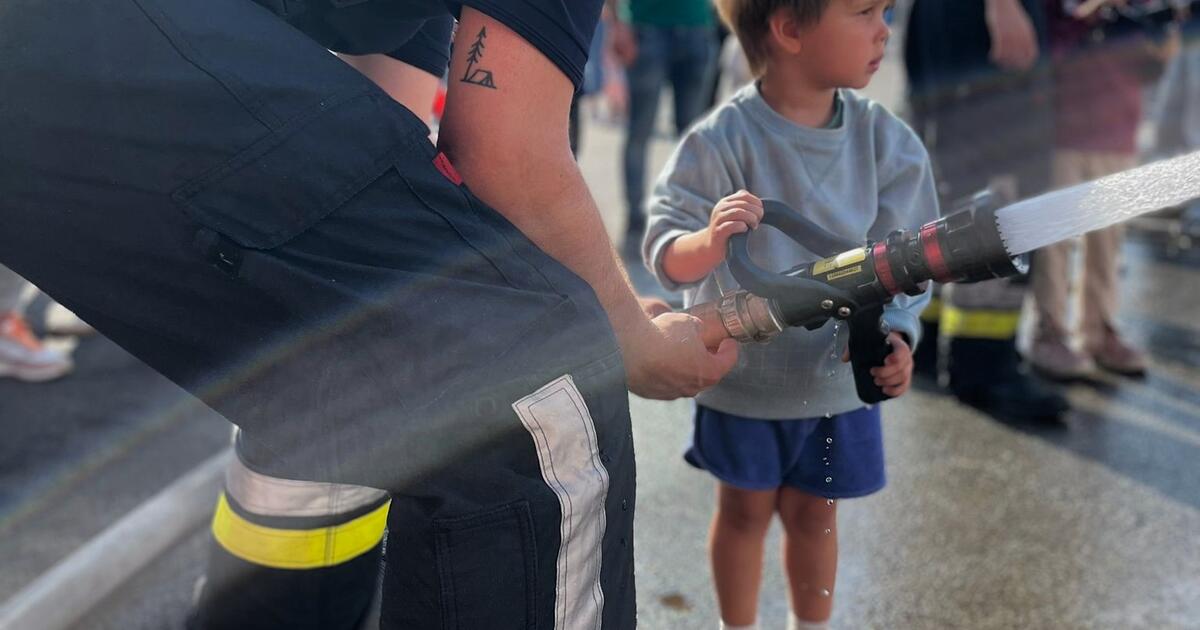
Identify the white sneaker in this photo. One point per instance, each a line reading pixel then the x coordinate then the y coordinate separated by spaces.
pixel 61 321
pixel 22 355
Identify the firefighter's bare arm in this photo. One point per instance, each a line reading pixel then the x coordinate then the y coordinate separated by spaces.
pixel 505 130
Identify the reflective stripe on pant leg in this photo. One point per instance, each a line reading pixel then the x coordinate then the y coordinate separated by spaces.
pixel 978 323
pixel 293 524
pixel 291 554
pixel 564 434
pixel 933 311
pixel 286 548
pixel 982 310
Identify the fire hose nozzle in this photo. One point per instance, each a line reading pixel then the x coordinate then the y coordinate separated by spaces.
pixel 965 246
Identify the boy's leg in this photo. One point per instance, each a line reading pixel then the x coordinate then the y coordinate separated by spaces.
pixel 736 538
pixel 810 552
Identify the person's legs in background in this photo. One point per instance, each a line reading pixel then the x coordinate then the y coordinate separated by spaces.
pixel 645 77
pixel 22 355
pixel 1053 352
pixel 693 62
pixel 1101 268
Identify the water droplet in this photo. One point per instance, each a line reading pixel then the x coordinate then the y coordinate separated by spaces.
pixel 825 592
pixel 829 440
pixel 829 480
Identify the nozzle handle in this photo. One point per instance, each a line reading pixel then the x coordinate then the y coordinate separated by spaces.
pixel 780 286
pixel 869 348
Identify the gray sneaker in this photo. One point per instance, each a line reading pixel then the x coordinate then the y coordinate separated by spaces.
pixel 22 355
pixel 1054 359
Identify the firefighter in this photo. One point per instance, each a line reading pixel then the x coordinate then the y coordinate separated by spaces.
pixel 210 188
pixel 980 99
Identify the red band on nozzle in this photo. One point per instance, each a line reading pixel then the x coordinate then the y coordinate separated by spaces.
pixel 883 268
pixel 933 253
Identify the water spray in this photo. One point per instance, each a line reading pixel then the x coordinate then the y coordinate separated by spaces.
pixel 978 241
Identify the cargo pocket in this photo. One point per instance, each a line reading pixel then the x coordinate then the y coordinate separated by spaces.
pixel 487 564
pixel 280 186
pixel 438 187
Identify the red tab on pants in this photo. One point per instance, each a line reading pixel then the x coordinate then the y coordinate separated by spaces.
pixel 443 164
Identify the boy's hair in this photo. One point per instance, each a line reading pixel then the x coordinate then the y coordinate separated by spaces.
pixel 750 21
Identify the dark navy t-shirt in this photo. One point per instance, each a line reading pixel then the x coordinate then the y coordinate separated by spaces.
pixel 410 30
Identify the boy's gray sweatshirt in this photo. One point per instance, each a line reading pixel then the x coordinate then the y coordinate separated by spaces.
pixel 860 179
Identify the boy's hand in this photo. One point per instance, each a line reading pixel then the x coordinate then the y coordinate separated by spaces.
pixel 737 213
pixel 895 375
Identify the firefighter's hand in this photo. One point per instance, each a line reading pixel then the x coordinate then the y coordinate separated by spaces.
pixel 653 307
pixel 895 375
pixel 1014 42
pixel 671 361
pixel 737 213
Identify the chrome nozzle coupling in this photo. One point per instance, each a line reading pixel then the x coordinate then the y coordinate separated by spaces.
pixel 747 317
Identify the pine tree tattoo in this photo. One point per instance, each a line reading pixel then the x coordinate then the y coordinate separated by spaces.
pixel 474 75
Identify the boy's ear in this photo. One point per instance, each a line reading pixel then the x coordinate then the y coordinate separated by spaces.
pixel 786 31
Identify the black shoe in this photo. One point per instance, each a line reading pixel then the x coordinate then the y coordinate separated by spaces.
pixel 1021 399
pixel 987 374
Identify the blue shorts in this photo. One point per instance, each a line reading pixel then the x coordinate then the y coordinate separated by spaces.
pixel 837 457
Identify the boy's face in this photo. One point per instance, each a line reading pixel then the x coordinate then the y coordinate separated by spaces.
pixel 845 48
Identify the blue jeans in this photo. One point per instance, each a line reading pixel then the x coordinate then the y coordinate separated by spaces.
pixel 686 57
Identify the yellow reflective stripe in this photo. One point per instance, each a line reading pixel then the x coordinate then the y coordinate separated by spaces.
pixel 978 323
pixel 297 548
pixel 933 311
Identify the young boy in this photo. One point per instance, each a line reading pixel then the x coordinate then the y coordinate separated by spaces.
pixel 785 432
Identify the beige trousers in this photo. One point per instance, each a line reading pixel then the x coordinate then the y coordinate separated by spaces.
pixel 1052 274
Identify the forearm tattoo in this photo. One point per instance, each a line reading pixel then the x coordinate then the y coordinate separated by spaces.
pixel 474 75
